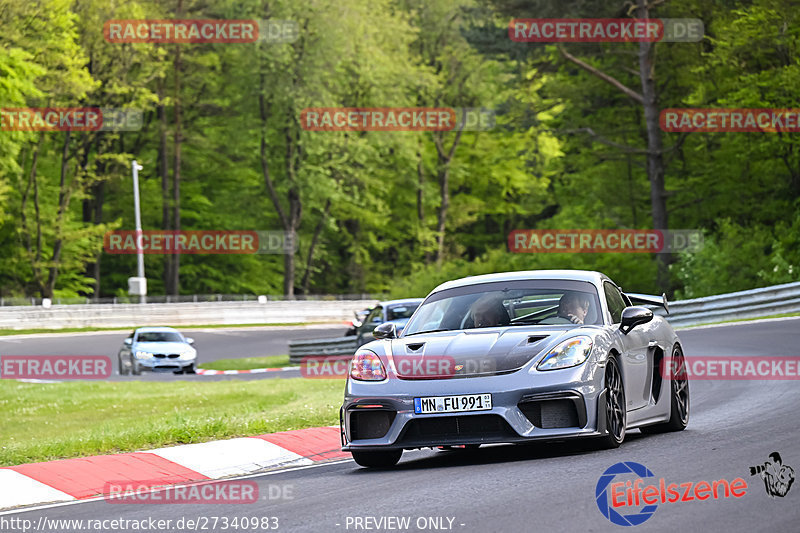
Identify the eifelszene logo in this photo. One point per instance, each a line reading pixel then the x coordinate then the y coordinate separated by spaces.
pixel 616 497
pixel 778 477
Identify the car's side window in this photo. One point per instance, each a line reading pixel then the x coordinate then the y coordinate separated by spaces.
pixel 375 316
pixel 615 302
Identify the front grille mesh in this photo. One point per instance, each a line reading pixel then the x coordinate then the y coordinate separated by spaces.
pixel 452 428
pixel 551 414
pixel 369 424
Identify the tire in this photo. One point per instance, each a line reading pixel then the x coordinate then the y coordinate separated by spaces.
pixel 123 369
pixel 186 370
pixel 679 399
pixel 381 459
pixel 615 408
pixel 135 369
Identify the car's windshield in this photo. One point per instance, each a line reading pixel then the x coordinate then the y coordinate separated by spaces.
pixel 401 311
pixel 517 303
pixel 158 336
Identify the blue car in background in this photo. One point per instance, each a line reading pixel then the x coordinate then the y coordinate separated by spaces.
pixel 396 312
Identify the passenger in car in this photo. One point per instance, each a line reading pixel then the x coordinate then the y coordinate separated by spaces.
pixel 488 311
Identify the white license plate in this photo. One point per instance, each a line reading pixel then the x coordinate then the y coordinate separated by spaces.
pixel 452 404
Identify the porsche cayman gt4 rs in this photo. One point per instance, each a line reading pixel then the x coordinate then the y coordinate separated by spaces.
pixel 512 358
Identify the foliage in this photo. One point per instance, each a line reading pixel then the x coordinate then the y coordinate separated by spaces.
pixel 370 208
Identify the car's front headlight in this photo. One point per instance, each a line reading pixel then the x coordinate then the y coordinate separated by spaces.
pixel 143 355
pixel 191 354
pixel 571 352
pixel 367 366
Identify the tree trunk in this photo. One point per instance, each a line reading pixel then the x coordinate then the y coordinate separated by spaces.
pixel 163 169
pixel 314 239
pixel 655 147
pixel 176 169
pixel 443 171
pixel 63 204
pixel 420 189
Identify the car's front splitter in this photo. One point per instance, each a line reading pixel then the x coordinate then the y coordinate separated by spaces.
pixel 569 409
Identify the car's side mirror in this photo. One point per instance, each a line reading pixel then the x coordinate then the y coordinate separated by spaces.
pixel 633 316
pixel 385 331
pixel 128 341
pixel 189 340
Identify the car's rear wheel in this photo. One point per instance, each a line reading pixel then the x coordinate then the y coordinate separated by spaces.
pixel 679 398
pixel 379 459
pixel 615 408
pixel 123 367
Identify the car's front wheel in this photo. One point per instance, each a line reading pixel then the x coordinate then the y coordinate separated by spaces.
pixel 136 370
pixel 379 459
pixel 186 370
pixel 615 408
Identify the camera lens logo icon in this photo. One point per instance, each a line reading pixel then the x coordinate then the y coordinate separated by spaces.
pixel 603 497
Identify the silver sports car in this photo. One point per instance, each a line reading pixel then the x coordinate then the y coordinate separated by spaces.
pixel 512 358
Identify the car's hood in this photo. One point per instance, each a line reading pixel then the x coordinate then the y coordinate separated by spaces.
pixel 471 352
pixel 162 347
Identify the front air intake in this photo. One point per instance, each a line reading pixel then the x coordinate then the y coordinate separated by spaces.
pixel 370 424
pixel 554 410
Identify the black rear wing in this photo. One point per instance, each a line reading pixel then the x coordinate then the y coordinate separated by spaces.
pixel 648 299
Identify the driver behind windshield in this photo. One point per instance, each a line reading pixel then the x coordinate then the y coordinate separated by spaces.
pixel 488 311
pixel 572 307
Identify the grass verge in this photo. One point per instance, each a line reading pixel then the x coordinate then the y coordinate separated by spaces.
pixel 43 422
pixel 247 363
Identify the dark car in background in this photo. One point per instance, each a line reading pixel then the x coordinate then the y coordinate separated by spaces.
pixel 396 312
pixel 357 322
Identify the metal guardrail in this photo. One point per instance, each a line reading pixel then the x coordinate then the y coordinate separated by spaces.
pixel 754 303
pixel 19 301
pixel 179 314
pixel 321 347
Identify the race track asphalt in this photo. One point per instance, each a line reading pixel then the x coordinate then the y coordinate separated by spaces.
pixel 546 487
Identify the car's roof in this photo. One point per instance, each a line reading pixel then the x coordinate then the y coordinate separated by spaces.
pixel 574 275
pixel 404 301
pixel 156 328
